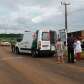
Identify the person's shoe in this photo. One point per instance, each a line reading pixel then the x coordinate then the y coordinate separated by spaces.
pixel 62 62
pixel 68 61
pixel 72 62
pixel 58 62
pixel 75 60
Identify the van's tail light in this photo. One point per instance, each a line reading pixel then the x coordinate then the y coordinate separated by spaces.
pixel 39 44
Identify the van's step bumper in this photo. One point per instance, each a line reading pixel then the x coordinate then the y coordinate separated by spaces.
pixel 46 52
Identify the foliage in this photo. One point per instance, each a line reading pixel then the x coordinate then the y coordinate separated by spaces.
pixel 12 38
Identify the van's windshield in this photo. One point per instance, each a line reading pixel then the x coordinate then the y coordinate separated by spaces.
pixel 45 36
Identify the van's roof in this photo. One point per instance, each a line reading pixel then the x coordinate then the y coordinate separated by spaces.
pixel 27 31
pixel 46 30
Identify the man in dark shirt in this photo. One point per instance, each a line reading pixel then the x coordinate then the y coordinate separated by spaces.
pixel 70 46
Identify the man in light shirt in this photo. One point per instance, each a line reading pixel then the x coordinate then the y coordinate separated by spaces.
pixel 77 49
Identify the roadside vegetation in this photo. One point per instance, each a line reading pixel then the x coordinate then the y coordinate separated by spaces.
pixel 11 38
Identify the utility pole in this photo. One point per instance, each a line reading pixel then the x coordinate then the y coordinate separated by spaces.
pixel 66 27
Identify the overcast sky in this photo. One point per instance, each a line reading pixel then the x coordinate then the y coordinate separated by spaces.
pixel 20 15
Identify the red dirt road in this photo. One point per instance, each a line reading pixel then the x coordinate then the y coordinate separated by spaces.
pixel 23 69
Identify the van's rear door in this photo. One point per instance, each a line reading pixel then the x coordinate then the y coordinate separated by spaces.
pixel 45 41
pixel 53 37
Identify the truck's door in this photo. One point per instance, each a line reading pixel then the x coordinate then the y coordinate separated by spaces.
pixel 22 44
pixel 26 43
pixel 45 40
pixel 53 37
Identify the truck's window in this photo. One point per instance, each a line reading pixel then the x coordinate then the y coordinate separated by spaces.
pixel 45 36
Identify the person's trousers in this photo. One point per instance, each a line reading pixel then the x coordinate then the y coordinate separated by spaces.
pixel 78 56
pixel 71 55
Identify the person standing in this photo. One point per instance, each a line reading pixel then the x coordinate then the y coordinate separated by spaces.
pixel 13 46
pixel 70 47
pixel 77 49
pixel 59 47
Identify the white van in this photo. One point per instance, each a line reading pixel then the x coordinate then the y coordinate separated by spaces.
pixel 24 45
pixel 43 43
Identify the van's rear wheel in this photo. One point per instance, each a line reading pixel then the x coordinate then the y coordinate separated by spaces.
pixel 34 53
